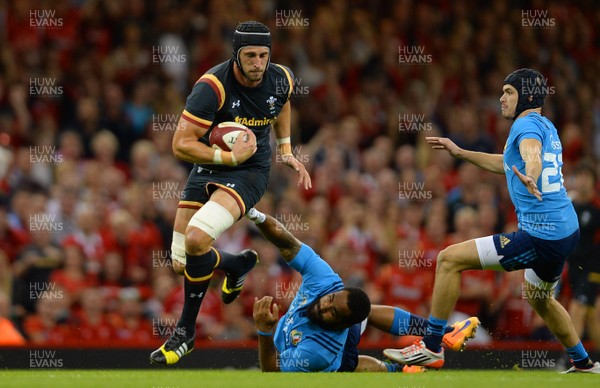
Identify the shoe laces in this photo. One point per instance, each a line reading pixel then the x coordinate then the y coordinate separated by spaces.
pixel 412 349
pixel 175 338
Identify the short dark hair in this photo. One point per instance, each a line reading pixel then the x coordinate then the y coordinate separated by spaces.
pixel 359 305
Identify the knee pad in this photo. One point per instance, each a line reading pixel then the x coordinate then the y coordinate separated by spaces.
pixel 212 218
pixel 178 248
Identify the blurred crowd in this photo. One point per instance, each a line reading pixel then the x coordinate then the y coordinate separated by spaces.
pixel 91 91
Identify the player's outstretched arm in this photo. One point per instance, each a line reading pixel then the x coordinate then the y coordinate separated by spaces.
pixel 490 162
pixel 282 127
pixel 186 146
pixel 276 233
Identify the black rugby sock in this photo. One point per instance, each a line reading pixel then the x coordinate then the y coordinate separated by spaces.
pixel 198 272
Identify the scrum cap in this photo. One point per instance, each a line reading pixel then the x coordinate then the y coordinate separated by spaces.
pixel 250 33
pixel 531 88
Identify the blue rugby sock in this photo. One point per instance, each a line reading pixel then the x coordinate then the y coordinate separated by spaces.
pixel 406 323
pixel 580 357
pixel 435 331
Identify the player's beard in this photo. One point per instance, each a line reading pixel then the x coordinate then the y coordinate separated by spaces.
pixel 256 76
pixel 312 313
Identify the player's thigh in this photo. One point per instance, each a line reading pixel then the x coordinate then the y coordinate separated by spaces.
pixel 228 201
pixel 461 256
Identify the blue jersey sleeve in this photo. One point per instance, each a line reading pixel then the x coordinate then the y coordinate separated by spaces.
pixel 303 360
pixel 316 273
pixel 526 128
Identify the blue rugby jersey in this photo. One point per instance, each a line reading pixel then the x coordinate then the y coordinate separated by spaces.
pixel 554 217
pixel 302 345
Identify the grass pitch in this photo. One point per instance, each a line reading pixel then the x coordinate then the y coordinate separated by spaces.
pixel 233 379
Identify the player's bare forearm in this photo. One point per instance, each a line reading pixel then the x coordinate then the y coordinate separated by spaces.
pixel 370 364
pixel 283 124
pixel 490 162
pixel 186 146
pixel 267 355
pixel 282 128
pixel 531 152
pixel 381 317
pixel 276 233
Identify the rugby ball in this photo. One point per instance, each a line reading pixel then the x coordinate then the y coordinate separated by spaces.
pixel 225 134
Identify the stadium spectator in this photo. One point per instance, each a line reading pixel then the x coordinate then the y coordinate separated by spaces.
pixel 9 335
pixel 90 322
pixel 72 276
pixel 584 262
pixel 49 325
pixel 33 268
pixel 127 320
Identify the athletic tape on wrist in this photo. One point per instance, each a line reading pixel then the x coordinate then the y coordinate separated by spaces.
pixel 217 156
pixel 283 140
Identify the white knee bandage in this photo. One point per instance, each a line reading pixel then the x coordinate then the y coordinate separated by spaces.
pixel 212 218
pixel 178 247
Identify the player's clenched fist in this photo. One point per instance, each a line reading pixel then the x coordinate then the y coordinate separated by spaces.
pixel 264 318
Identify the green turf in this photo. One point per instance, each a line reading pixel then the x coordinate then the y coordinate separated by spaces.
pixel 232 379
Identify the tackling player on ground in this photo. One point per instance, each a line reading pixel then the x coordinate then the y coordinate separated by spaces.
pixel 222 185
pixel 321 330
pixel 548 230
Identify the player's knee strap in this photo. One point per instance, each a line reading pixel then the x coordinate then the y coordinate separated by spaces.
pixel 178 247
pixel 212 218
